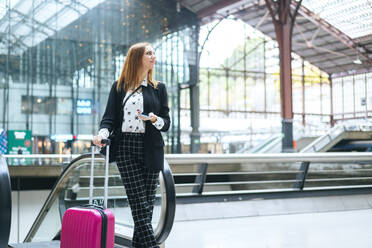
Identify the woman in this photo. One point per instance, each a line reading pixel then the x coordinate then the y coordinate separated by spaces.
pixel 140 152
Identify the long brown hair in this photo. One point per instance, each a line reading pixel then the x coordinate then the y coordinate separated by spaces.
pixel 129 77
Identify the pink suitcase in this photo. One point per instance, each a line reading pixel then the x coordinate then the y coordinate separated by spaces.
pixel 89 226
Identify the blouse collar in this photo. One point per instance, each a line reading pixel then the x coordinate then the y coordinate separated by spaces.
pixel 144 82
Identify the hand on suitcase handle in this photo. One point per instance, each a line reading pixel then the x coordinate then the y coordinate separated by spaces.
pixel 106 142
pixel 103 142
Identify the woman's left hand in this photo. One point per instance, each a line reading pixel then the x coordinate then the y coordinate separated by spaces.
pixel 153 117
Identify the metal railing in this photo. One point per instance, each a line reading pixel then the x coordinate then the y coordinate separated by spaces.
pixel 40 159
pixel 216 174
pixel 56 200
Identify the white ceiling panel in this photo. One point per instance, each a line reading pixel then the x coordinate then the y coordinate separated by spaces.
pixel 354 18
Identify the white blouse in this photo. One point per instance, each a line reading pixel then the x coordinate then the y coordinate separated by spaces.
pixel 131 122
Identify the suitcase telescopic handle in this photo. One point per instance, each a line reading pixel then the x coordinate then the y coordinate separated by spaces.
pixel 107 142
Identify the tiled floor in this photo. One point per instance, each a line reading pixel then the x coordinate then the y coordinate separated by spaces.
pixel 346 222
pixel 347 229
pixel 312 222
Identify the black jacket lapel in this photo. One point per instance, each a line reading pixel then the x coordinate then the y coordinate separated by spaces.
pixel 147 99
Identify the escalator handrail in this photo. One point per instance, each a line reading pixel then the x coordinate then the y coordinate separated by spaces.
pixel 5 203
pixel 57 188
pixel 44 210
pixel 265 143
pixel 170 204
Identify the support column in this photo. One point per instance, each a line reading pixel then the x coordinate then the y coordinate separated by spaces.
pixel 264 79
pixel 5 122
pixel 179 145
pixel 354 100
pixel 321 94
pixel 54 83
pixel 366 95
pixel 343 98
pixel 29 81
pixel 194 94
pixel 195 120
pixel 303 94
pixel 283 19
pixel 227 91
pixel 332 120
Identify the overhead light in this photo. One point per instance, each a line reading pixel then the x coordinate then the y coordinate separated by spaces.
pixel 357 61
pixel 178 7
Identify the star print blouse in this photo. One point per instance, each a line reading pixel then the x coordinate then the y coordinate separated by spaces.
pixel 131 122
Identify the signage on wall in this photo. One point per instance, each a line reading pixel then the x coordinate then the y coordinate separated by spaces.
pixel 19 142
pixel 363 101
pixel 84 106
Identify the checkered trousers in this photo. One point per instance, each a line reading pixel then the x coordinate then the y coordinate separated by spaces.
pixel 140 184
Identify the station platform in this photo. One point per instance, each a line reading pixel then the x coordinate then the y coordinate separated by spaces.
pixel 327 205
pixel 310 222
pixel 303 222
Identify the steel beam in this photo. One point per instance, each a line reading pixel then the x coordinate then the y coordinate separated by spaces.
pixel 212 9
pixel 359 49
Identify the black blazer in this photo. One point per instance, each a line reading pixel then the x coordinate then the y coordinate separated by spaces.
pixel 154 100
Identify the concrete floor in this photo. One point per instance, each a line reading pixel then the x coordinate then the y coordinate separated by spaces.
pixel 314 222
pixel 329 222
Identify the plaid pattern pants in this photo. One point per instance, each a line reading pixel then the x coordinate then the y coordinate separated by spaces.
pixel 140 184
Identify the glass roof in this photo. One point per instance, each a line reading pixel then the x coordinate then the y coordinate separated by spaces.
pixel 31 22
pixel 354 18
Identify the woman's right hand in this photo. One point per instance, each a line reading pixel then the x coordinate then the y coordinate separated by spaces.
pixel 97 140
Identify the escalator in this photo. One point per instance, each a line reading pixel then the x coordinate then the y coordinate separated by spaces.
pixel 271 145
pixel 72 189
pixel 345 138
pixel 341 138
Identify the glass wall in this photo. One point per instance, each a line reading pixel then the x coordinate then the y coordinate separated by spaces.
pixel 352 97
pixel 240 89
pixel 58 60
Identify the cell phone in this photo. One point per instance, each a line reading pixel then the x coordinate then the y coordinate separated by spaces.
pixel 145 115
